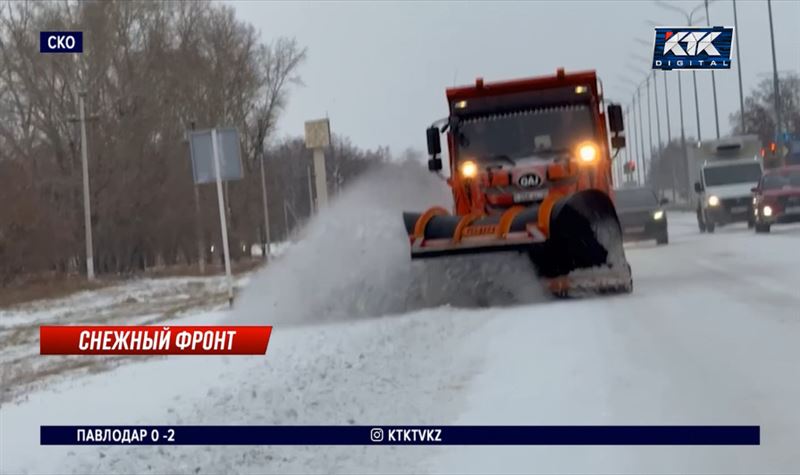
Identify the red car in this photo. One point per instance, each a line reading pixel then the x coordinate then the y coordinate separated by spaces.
pixel 777 198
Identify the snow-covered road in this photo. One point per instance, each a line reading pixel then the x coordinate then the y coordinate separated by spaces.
pixel 711 335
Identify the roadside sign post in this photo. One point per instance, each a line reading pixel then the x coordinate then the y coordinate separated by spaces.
pixel 216 157
pixel 222 216
pixel 318 138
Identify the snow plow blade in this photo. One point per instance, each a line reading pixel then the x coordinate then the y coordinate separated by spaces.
pixel 580 252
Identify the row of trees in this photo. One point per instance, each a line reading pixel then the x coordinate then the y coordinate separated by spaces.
pixel 150 71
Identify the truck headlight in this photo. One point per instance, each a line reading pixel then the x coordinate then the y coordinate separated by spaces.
pixel 767 211
pixel 658 215
pixel 713 200
pixel 588 153
pixel 469 169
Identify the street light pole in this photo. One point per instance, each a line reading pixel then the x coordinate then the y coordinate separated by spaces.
pixel 669 139
pixel 649 126
pixel 739 66
pixel 638 137
pixel 666 106
pixel 683 133
pixel 713 80
pixel 641 135
pixel 778 129
pixel 658 113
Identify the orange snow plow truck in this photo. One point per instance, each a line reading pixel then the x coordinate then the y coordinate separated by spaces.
pixel 530 172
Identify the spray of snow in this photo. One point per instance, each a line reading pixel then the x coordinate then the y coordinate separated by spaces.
pixel 353 261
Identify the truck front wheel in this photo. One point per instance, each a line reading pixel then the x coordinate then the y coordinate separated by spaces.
pixel 700 222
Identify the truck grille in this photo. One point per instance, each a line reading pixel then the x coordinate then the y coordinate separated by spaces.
pixel 635 218
pixel 737 202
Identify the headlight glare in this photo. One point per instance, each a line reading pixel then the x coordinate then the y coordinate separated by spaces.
pixel 588 153
pixel 469 169
pixel 767 211
pixel 713 200
pixel 658 215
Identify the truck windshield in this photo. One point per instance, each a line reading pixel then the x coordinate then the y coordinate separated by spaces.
pixel 731 174
pixel 525 133
pixel 779 180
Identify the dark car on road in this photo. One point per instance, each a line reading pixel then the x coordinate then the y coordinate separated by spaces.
pixel 776 199
pixel 641 215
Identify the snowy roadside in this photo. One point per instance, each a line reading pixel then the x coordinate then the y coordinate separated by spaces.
pixel 141 301
pixel 393 370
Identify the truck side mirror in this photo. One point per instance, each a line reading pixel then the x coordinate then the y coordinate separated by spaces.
pixel 698 187
pixel 434 145
pixel 615 121
pixel 617 142
pixel 434 149
pixel 754 189
pixel 663 201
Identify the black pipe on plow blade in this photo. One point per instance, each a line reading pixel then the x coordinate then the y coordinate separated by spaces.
pixel 575 226
pixel 584 247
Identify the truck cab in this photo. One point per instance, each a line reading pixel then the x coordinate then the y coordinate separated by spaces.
pixel 728 171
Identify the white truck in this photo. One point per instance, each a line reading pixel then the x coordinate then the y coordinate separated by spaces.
pixel 724 172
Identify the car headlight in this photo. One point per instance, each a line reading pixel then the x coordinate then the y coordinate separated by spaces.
pixel 658 215
pixel 588 153
pixel 767 210
pixel 713 200
pixel 469 169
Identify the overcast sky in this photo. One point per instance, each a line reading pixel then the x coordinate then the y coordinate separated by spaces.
pixel 379 70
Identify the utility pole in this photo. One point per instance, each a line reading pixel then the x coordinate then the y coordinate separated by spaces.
pixel 87 206
pixel 266 249
pixel 739 66
pixel 777 93
pixel 713 80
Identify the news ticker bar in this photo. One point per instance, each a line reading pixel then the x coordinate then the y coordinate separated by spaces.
pixel 153 340
pixel 400 435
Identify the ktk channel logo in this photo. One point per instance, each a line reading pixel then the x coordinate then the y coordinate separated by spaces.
pixel 61 42
pixel 687 47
